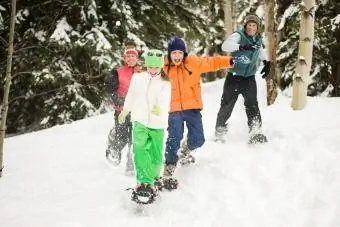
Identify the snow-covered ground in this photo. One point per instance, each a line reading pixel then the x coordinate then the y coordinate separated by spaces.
pixel 59 176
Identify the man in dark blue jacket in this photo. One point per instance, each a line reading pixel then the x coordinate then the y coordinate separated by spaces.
pixel 246 45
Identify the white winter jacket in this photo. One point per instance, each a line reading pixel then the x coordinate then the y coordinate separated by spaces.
pixel 144 92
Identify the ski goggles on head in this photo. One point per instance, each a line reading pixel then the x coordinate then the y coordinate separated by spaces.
pixel 154 58
pixel 157 54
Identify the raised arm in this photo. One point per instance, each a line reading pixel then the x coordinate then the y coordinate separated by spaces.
pixel 231 44
pixel 210 64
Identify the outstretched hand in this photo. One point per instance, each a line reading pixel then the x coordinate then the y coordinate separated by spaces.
pixel 266 68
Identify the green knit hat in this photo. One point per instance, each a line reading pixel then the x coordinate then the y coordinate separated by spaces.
pixel 154 58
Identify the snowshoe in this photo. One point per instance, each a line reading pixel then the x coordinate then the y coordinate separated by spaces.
pixel 114 157
pixel 170 183
pixel 144 194
pixel 257 138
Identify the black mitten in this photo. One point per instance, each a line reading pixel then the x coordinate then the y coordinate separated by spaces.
pixel 245 47
pixel 266 68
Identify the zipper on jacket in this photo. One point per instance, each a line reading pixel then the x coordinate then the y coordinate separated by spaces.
pixel 252 55
pixel 147 97
pixel 179 87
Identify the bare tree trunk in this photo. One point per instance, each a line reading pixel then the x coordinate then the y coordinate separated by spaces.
pixel 304 62
pixel 228 17
pixel 7 86
pixel 234 14
pixel 271 48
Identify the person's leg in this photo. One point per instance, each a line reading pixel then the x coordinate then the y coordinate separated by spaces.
pixel 121 136
pixel 175 135
pixel 117 139
pixel 249 93
pixel 142 157
pixel 129 162
pixel 195 136
pixel 228 100
pixel 156 151
pixel 142 147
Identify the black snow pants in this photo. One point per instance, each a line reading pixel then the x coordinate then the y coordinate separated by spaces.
pixel 121 134
pixel 233 86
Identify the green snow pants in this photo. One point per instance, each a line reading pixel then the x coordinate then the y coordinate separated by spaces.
pixel 148 152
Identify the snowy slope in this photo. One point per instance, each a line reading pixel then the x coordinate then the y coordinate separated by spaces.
pixel 59 177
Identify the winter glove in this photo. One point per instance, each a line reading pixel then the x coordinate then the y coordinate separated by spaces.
pixel 156 110
pixel 266 68
pixel 241 59
pixel 235 60
pixel 250 47
pixel 122 116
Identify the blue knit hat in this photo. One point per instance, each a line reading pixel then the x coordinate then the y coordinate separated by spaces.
pixel 176 43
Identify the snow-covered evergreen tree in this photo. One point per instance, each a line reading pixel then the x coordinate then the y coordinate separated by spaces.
pixel 325 63
pixel 63 50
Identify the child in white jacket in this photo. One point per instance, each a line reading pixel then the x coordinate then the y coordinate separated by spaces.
pixel 148 100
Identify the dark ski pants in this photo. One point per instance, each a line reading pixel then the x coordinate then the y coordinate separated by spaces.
pixel 233 86
pixel 195 136
pixel 120 134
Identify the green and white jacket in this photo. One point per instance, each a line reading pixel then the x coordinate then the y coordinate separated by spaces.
pixel 145 92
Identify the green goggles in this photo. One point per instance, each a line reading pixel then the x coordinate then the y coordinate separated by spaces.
pixel 157 54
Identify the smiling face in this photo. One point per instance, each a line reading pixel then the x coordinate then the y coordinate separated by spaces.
pixel 154 71
pixel 130 59
pixel 251 28
pixel 177 56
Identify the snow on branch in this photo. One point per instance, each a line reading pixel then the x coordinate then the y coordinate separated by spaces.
pixel 335 22
pixel 60 33
pixel 288 13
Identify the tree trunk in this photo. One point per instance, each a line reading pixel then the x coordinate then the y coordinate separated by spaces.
pixel 7 86
pixel 228 18
pixel 270 30
pixel 304 61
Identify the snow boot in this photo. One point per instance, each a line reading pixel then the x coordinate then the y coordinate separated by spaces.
pixel 144 194
pixel 185 158
pixel 169 182
pixel 257 138
pixel 221 133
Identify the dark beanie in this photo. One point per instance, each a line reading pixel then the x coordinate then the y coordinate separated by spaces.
pixel 176 43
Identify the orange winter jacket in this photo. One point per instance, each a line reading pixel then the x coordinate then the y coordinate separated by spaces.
pixel 186 82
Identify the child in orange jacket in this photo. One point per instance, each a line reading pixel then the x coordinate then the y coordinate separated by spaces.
pixel 186 103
